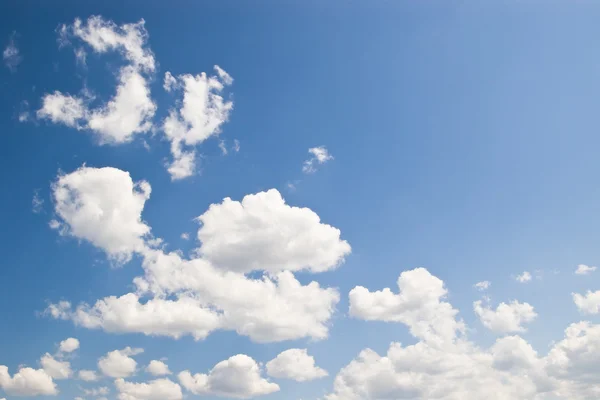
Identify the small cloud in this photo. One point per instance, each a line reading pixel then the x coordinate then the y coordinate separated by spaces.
pixel 37 203
pixel 483 285
pixel 291 187
pixel 80 56
pixel 11 55
pixel 185 236
pixel 169 82
pixel 524 277
pixel 320 155
pixel 583 269
pixel 236 145
pixel 223 147
pixel 24 114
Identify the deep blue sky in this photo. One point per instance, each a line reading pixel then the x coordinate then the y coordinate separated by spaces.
pixel 465 137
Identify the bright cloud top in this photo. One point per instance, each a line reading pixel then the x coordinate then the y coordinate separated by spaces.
pixel 295 364
pixel 319 155
pixel 506 318
pixel 583 269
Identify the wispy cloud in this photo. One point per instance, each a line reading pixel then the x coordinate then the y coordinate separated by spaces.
pixel 11 54
pixel 320 155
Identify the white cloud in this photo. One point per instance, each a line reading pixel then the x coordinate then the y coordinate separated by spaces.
pixel 55 368
pixel 185 236
pixel 80 56
pixel 159 389
pixel 238 377
pixel 203 112
pixel 99 391
pixel 236 145
pixel 118 363
pixel 320 155
pixel 482 286
pixel 178 296
pixel 269 235
pixel 507 317
pixel 63 108
pixel 11 55
pixel 223 147
pixel 27 382
pixel 418 305
pixel 102 206
pixel 88 376
pixel 588 303
pixel 169 83
pixel 129 112
pixel 524 277
pixel 584 269
pixel 158 368
pixel 68 345
pixel 131 109
pixel 458 369
pixel 295 364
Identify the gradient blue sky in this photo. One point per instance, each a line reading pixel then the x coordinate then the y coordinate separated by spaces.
pixel 465 139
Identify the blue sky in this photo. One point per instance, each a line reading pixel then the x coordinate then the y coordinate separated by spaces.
pixel 456 136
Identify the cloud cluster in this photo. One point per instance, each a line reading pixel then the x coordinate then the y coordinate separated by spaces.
pixel 178 296
pixel 456 368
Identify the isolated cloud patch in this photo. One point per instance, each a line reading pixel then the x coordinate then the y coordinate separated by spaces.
pixel 507 317
pixel 295 364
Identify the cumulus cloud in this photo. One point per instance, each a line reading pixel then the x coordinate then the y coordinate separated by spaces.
pixel 131 109
pixel 102 206
pixel 419 305
pixel 158 389
pixel 57 369
pixel 88 376
pixel 295 364
pixel 506 317
pixel 178 296
pixel 458 369
pixel 201 116
pixel 158 368
pixel 319 155
pixel 99 391
pixel 269 235
pixel 27 382
pixel 524 277
pixel 238 377
pixel 118 363
pixel 482 286
pixel 68 345
pixel 583 269
pixel 11 54
pixel 588 303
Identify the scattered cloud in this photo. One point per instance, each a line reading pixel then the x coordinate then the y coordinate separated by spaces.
pixel 88 376
pixel 68 345
pixel 506 318
pixel 11 54
pixel 588 303
pixel 57 369
pixel 320 155
pixel 201 116
pixel 295 364
pixel 238 377
pixel 158 368
pixel 27 382
pixel 236 145
pixel 159 389
pixel 584 269
pixel 37 203
pixel 482 286
pixel 185 236
pixel 118 363
pixel 524 277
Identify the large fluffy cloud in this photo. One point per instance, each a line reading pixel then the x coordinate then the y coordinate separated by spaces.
pixel 158 389
pixel 263 233
pixel 102 206
pixel 57 369
pixel 506 317
pixel 178 296
pixel 131 109
pixel 238 377
pixel 201 115
pixel 27 382
pixel 295 364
